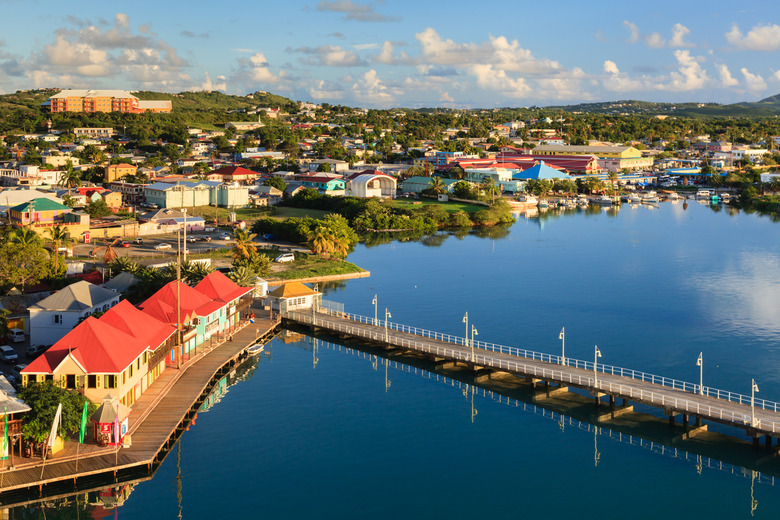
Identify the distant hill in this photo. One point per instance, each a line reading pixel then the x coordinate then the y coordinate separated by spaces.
pixel 765 108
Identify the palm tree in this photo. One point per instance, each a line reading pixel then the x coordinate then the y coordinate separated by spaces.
pixel 243 276
pixel 437 185
pixel 319 240
pixel 244 249
pixel 613 178
pixel 24 236
pixel 125 263
pixel 58 236
pixel 196 271
pixel 70 177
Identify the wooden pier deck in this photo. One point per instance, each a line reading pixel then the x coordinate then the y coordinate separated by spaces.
pixel 673 397
pixel 159 417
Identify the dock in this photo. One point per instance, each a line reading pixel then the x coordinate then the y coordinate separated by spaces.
pixel 757 417
pixel 158 419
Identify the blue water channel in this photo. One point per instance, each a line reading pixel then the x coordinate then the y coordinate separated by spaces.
pixel 325 431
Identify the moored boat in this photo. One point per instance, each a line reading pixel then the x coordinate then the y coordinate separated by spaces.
pixel 255 349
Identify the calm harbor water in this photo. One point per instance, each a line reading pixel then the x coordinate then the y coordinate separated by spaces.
pixel 329 432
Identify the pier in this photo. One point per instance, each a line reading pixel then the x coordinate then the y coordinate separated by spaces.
pixel 159 418
pixel 757 417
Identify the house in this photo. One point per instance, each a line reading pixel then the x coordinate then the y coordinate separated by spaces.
pixel 117 171
pixel 12 410
pixel 324 184
pixel 234 174
pixel 113 199
pixel 540 172
pixel 266 195
pixel 122 352
pixel 55 316
pixel 293 296
pixel 372 184
pixel 43 210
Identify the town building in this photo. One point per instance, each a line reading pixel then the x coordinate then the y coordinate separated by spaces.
pixel 39 210
pixel 91 101
pixel 293 296
pixel 94 132
pixel 55 316
pixel 117 171
pixel 371 183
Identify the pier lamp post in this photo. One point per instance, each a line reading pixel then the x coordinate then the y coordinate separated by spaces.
pixel 596 356
pixel 753 390
pixel 466 321
pixel 700 364
pixel 387 315
pixel 562 337
pixel 473 333
pixel 376 321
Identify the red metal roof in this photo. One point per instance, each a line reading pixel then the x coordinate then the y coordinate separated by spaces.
pixel 217 286
pixel 129 319
pixel 96 346
pixel 162 304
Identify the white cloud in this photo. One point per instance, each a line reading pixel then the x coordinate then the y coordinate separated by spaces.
pixel 386 55
pixel 633 31
pixel 726 79
pixel 369 88
pixel 354 11
pixel 326 90
pixel 753 82
pixel 331 56
pixel 610 67
pixel 210 85
pixel 759 38
pixel 689 76
pixel 446 98
pixel 679 32
pixel 655 41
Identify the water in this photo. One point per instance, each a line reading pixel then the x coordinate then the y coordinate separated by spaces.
pixel 326 433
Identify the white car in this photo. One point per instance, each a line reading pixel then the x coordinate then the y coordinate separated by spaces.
pixel 225 237
pixel 162 246
pixel 8 354
pixel 16 335
pixel 192 239
pixel 286 257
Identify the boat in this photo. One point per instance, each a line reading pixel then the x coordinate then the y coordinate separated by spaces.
pixel 544 204
pixel 604 200
pixel 255 349
pixel 703 194
pixel 635 199
pixel 650 197
pixel 673 196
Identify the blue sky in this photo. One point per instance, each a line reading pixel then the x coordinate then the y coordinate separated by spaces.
pixel 388 53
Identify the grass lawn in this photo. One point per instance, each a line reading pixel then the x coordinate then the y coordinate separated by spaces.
pixel 450 207
pixel 209 212
pixel 315 266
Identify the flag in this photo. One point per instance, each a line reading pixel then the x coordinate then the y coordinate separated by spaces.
pixel 560 336
pixel 117 434
pixel 698 361
pixel 83 429
pixel 55 426
pixel 755 386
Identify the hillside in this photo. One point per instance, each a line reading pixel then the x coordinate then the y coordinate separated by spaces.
pixel 765 108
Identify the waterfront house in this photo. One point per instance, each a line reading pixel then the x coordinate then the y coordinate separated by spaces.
pixel 293 296
pixel 55 316
pixel 12 409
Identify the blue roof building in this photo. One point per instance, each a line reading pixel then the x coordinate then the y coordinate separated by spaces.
pixel 540 171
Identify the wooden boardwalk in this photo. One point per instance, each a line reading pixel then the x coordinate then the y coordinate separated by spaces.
pixel 158 418
pixel 672 396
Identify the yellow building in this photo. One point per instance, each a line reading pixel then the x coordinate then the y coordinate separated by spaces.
pixel 92 101
pixel 611 158
pixel 117 171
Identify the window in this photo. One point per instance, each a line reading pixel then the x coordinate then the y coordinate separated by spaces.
pixel 138 364
pixel 124 377
pixel 48 377
pixel 92 381
pixel 109 381
pixel 58 319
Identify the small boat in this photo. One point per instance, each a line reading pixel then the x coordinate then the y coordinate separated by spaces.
pixel 635 199
pixel 703 194
pixel 650 197
pixel 255 349
pixel 673 196
pixel 604 200
pixel 544 204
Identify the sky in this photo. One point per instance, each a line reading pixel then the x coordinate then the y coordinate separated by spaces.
pixel 400 53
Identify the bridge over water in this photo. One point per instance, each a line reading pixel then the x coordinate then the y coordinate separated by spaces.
pixel 758 417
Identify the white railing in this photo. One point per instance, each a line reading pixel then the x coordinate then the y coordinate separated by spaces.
pixel 577 363
pixel 678 404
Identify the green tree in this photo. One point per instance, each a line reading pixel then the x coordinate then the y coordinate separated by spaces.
pixel 70 178
pixel 59 236
pixel 98 209
pixel 436 185
pixel 43 399
pixel 24 236
pixel 23 264
pixel 277 183
pixel 244 249
pixel 243 275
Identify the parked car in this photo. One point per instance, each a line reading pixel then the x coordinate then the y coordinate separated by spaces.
pixel 8 354
pixel 225 236
pixel 16 335
pixel 286 257
pixel 269 236
pixel 34 351
pixel 206 238
pixel 162 246
pixel 17 370
pixel 124 243
pixel 192 239
pixel 138 240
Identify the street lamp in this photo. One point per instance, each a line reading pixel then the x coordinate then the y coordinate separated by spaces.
pixel 596 356
pixel 700 364
pixel 376 322
pixel 184 210
pixel 753 390
pixel 387 315
pixel 562 337
pixel 473 333
pixel 466 321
